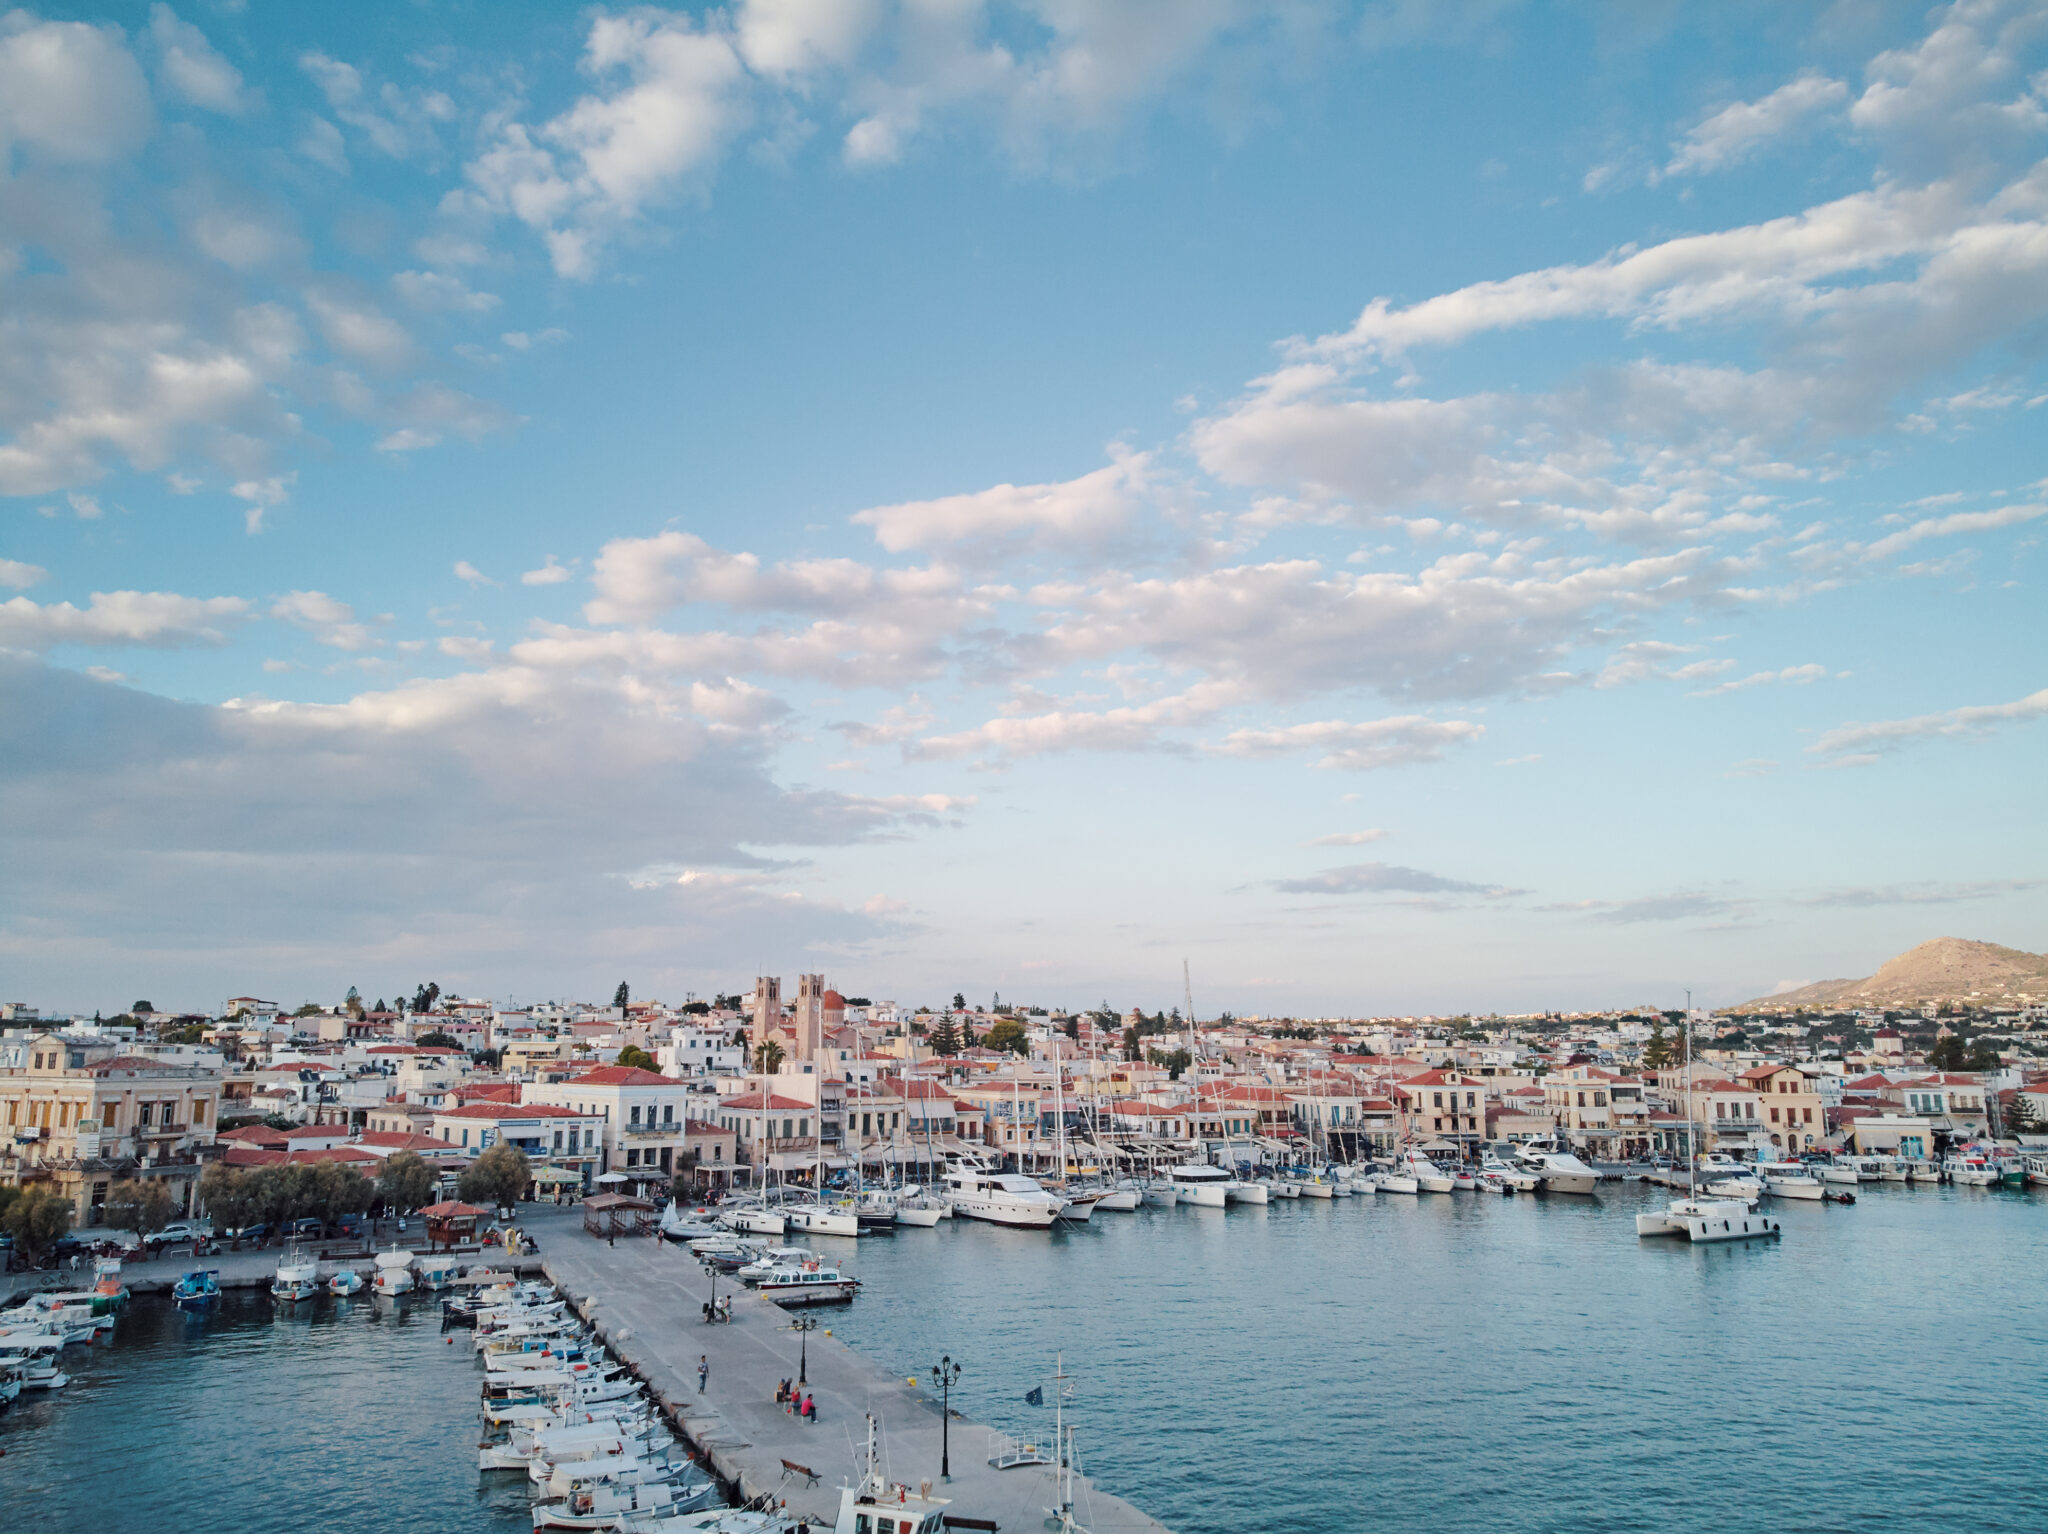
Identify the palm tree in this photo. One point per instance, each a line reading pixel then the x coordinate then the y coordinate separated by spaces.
pixel 768 1057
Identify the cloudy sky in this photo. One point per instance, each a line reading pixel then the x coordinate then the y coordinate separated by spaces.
pixel 1406 507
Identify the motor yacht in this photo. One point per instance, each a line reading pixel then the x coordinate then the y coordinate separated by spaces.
pixel 1561 1171
pixel 1197 1183
pixel 1971 1170
pixel 1002 1198
pixel 1842 1170
pixel 1517 1179
pixel 1429 1177
pixel 810 1283
pixel 32 1357
pixel 1789 1179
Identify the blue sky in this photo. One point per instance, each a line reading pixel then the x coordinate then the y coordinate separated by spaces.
pixel 1407 507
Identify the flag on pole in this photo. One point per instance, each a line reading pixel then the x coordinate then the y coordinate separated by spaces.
pixel 1035 1396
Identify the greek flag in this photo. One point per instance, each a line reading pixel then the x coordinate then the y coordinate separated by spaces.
pixel 1035 1396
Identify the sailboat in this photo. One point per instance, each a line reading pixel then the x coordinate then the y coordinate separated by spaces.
pixel 1699 1219
pixel 1081 1195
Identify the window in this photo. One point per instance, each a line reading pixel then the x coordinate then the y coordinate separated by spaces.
pixel 1599 1100
pixel 1436 1099
pixel 632 1158
pixel 636 1118
pixel 558 1140
pixel 668 1113
pixel 1471 1099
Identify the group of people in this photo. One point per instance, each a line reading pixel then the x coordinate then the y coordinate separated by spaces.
pixel 796 1401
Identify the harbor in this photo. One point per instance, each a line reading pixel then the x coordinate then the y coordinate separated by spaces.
pixel 645 1298
pixel 1301 1365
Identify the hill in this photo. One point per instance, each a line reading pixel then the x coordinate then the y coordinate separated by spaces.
pixel 1949 969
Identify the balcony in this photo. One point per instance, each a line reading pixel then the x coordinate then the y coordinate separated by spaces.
pixel 651 1131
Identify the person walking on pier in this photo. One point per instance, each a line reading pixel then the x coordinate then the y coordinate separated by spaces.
pixel 703 1371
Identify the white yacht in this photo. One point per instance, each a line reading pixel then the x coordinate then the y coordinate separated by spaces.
pixel 1399 1180
pixel 1842 1169
pixel 809 1283
pixel 1196 1183
pixel 1002 1198
pixel 1515 1179
pixel 1160 1193
pixel 1790 1179
pixel 821 1219
pixel 1245 1190
pixel 1561 1171
pixel 298 1276
pixel 1707 1219
pixel 1429 1177
pixel 1123 1197
pixel 917 1207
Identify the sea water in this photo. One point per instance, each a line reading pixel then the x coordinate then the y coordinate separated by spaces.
pixel 1470 1362
pixel 1440 1364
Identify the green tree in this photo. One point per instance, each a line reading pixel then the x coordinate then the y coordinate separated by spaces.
pixel 636 1058
pixel 1133 1045
pixel 309 1009
pixel 959 1001
pixel 353 1002
pixel 768 1057
pixel 140 1206
pixel 1657 1053
pixel 424 998
pixel 944 1039
pixel 405 1181
pixel 1948 1054
pixel 436 1038
pixel 1072 1029
pixel 498 1176
pixel 224 1194
pixel 1007 1034
pixel 37 1218
pixel 624 994
pixel 142 1006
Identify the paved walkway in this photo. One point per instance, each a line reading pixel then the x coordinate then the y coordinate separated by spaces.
pixel 646 1297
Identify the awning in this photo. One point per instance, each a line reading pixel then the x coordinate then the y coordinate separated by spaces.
pixel 554 1176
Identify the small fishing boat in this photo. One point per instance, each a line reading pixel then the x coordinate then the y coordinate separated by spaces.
pixel 1789 1179
pixel 434 1272
pixel 348 1281
pixel 394 1272
pixel 297 1277
pixel 197 1289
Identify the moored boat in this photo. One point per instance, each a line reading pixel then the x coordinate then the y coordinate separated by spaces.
pixel 394 1272
pixel 297 1277
pixel 199 1288
pixel 348 1281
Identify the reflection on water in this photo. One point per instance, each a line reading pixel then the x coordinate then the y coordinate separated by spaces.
pixel 350 1415
pixel 1476 1363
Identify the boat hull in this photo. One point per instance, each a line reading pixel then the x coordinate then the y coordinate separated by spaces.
pixel 1248 1193
pixel 920 1217
pixel 1397 1182
pixel 1024 1216
pixel 1204 1195
pixel 1161 1198
pixel 1120 1201
pixel 1795 1187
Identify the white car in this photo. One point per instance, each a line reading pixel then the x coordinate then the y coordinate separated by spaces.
pixel 179 1231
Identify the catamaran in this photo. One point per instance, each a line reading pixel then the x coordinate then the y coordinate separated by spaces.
pixel 1698 1219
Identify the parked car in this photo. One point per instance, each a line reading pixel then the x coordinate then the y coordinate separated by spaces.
pixel 179 1231
pixel 258 1233
pixel 309 1228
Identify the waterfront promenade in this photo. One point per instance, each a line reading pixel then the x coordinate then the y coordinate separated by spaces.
pixel 646 1297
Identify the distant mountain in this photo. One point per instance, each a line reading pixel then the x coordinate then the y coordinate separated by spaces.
pixel 1948 969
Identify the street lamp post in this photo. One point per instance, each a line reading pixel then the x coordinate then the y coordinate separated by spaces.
pixel 803 1326
pixel 945 1374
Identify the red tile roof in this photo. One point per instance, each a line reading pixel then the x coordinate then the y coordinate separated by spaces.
pixel 622 1076
pixel 752 1102
pixel 503 1110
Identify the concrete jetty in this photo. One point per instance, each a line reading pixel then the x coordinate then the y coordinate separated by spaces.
pixel 645 1297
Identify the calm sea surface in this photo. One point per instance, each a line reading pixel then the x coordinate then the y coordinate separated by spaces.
pixel 1442 1364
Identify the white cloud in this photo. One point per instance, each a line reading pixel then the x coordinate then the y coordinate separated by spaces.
pixel 398 122
pixel 466 571
pixel 1136 728
pixel 262 495
pixel 1954 523
pixel 1349 838
pixel 1791 676
pixel 1360 746
pixel 1076 511
pixel 332 623
pixel 359 330
pixel 1736 132
pixel 19 576
pixel 552 573
pixel 69 92
pixel 157 619
pixel 85 507
pixel 1386 879
pixel 1863 742
pixel 437 290
pixel 192 70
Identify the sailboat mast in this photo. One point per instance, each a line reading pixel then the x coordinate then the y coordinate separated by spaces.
pixel 1692 1159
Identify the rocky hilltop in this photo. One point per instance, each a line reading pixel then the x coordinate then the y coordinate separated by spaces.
pixel 1949 969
